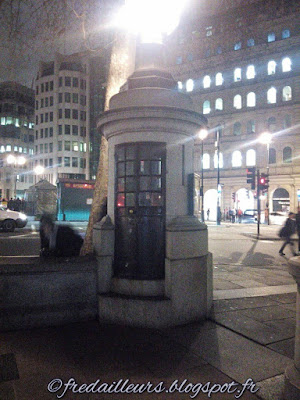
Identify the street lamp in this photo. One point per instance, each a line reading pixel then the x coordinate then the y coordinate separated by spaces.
pixel 202 135
pixel 219 187
pixel 15 161
pixel 266 138
pixel 39 170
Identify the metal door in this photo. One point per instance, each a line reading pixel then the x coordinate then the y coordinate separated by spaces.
pixel 140 210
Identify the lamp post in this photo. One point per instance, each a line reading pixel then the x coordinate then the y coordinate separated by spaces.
pixel 217 145
pixel 266 138
pixel 202 135
pixel 15 161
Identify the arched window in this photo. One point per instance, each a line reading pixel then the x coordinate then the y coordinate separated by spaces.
pixel 286 64
pixel 206 161
pixel 219 79
pixel 287 122
pixel 251 158
pixel 206 81
pixel 237 128
pixel 250 42
pixel 220 160
pixel 287 155
pixel 237 46
pixel 237 75
pixel 189 85
pixel 271 95
pixel 272 124
pixel 237 102
pixel 272 156
pixel 250 74
pixel 236 159
pixel 271 37
pixel 219 104
pixel 271 67
pixel 287 93
pixel 206 107
pixel 251 99
pixel 251 126
pixel 286 34
pixel 179 85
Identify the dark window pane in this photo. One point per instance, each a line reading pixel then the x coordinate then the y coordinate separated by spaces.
pixel 145 199
pixel 156 167
pixel 145 167
pixel 129 168
pixel 130 153
pixel 121 169
pixel 155 183
pixel 121 184
pixel 121 154
pixel 145 183
pixel 156 199
pixel 130 199
pixel 121 200
pixel 130 184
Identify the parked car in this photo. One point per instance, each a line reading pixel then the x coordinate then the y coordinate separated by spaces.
pixel 9 220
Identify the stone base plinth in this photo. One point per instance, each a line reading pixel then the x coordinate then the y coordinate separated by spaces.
pixel 185 295
pixel 292 383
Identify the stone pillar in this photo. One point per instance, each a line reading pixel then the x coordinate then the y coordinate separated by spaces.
pixel 292 373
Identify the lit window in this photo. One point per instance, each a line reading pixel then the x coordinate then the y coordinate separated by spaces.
pixel 219 79
pixel 237 102
pixel 287 155
pixel 237 74
pixel 236 159
pixel 8 147
pixel 206 81
pixel 250 158
pixel 286 64
pixel 9 120
pixel 271 95
pixel 271 67
pixel 250 74
pixel 272 156
pixel 220 160
pixel 250 42
pixel 271 37
pixel 287 93
pixel 206 161
pixel 219 104
pixel 272 124
pixel 206 107
pixel 238 46
pixel 2 149
pixel 251 126
pixel 209 31
pixel 251 99
pixel 189 85
pixel 286 34
pixel 17 122
pixel 237 129
pixel 3 121
pixel 179 85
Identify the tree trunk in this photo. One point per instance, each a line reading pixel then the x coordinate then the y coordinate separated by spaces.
pixel 121 66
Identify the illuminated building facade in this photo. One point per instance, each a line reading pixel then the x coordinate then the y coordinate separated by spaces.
pixel 241 65
pixel 16 139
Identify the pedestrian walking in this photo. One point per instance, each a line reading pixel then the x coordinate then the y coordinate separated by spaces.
pixel 240 214
pixel 286 232
pixel 298 227
pixel 207 214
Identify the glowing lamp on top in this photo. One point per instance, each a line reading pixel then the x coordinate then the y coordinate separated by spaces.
pixel 150 18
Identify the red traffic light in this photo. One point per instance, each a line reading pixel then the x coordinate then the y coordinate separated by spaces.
pixel 262 181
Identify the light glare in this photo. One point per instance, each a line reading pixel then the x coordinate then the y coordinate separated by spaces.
pixel 150 18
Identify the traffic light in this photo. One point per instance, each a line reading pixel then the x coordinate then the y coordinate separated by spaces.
pixel 251 177
pixel 233 196
pixel 264 182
